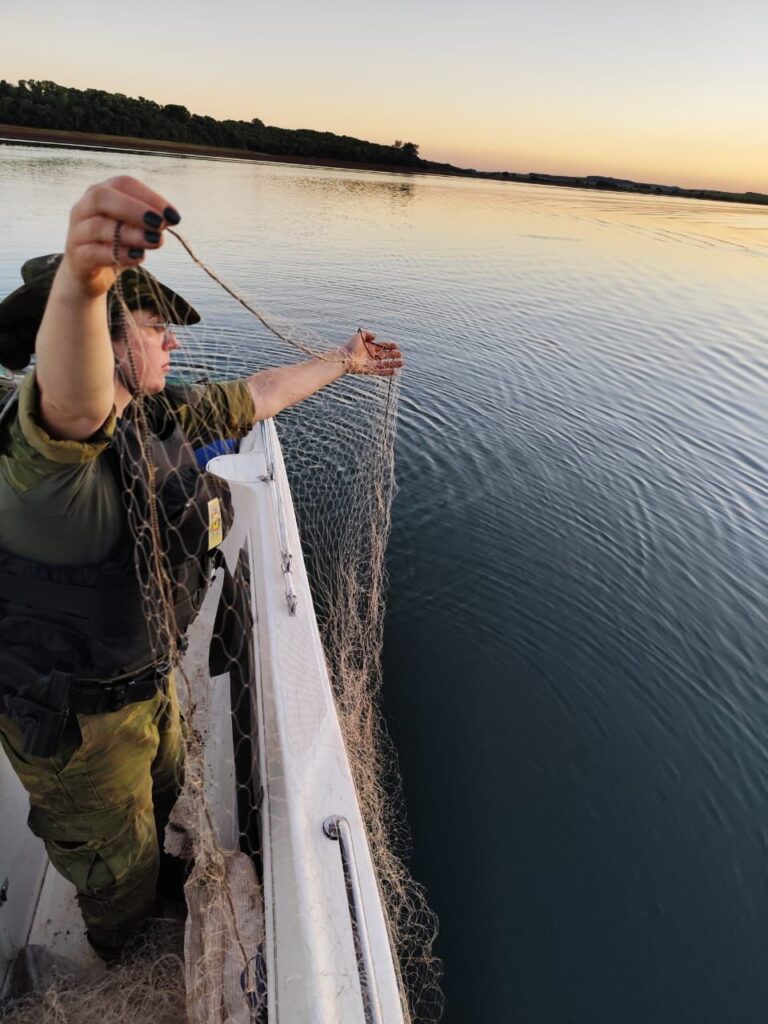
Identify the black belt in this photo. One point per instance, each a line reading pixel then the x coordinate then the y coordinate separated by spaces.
pixel 98 698
pixel 43 716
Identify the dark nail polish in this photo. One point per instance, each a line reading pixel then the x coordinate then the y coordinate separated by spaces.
pixel 172 216
pixel 152 219
pixel 152 236
pixel 135 254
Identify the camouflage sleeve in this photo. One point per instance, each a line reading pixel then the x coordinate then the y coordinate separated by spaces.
pixel 216 411
pixel 31 454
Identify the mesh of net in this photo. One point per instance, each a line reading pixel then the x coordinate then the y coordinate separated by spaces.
pixel 338 448
pixel 149 985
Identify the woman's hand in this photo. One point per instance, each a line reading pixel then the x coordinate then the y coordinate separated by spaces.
pixel 89 255
pixel 75 359
pixel 363 354
pixel 275 390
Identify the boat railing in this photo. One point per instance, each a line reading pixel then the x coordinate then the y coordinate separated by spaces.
pixel 337 827
pixel 286 558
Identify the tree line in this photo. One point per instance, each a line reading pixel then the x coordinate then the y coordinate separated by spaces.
pixel 42 104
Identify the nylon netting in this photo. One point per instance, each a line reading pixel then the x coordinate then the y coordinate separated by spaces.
pixel 337 450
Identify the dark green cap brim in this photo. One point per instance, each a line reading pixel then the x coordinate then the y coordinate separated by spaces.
pixel 140 288
pixel 22 310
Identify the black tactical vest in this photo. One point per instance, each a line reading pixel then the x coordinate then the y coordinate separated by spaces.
pixel 90 622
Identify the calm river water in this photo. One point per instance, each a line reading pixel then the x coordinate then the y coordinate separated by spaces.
pixel 575 653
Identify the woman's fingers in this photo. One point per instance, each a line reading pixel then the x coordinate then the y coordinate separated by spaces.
pixel 101 201
pixel 99 254
pixel 384 370
pixel 376 358
pixel 387 360
pixel 387 356
pixel 102 229
pixel 369 340
pixel 127 200
pixel 379 358
pixel 142 214
pixel 383 350
pixel 154 201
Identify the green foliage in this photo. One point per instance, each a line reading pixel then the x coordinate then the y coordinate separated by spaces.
pixel 42 104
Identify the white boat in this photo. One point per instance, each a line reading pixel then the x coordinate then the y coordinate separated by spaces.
pixel 327 948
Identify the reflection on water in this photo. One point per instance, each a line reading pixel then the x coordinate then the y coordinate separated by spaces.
pixel 575 655
pixel 376 189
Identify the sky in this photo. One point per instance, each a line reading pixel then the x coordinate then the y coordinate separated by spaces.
pixel 675 93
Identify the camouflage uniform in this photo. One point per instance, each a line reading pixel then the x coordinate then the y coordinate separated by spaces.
pixel 100 805
pixel 101 802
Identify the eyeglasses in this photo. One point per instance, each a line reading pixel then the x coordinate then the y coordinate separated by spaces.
pixel 160 327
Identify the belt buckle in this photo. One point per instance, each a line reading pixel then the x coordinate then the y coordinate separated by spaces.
pixel 120 695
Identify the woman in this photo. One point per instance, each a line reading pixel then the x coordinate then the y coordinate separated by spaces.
pixel 89 715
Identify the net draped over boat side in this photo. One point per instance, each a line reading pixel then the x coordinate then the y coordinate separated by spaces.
pixel 338 448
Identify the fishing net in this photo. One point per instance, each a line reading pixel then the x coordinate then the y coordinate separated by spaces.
pixel 287 624
pixel 147 986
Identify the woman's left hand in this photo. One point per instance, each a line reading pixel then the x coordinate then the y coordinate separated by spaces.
pixel 363 354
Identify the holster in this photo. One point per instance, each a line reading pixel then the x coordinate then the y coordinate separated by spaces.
pixel 42 718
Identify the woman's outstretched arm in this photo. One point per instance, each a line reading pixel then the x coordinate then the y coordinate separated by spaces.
pixel 275 390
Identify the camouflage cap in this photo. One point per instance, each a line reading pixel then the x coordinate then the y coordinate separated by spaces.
pixel 22 310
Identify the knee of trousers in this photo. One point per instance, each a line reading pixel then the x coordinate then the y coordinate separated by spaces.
pixel 110 855
pixel 114 914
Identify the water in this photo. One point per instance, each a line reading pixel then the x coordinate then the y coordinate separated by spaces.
pixel 575 652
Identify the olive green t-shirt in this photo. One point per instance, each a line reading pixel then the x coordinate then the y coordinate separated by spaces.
pixel 60 501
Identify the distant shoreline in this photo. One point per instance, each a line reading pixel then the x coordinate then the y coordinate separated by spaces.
pixel 597 183
pixel 126 144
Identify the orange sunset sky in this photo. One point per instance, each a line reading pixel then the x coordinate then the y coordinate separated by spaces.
pixel 672 93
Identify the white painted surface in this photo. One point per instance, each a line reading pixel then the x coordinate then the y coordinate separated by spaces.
pixel 312 967
pixel 22 865
pixel 58 923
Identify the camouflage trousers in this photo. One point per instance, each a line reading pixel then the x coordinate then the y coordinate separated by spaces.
pixel 100 805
